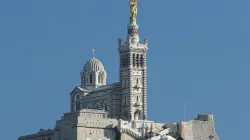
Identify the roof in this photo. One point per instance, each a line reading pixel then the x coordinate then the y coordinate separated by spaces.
pixel 93 64
pixel 110 86
pixel 79 88
pixel 82 89
pixel 41 133
pixel 99 89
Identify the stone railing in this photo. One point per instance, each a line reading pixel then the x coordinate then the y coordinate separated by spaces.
pixel 133 133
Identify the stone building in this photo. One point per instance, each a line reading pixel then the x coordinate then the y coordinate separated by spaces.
pixel 101 111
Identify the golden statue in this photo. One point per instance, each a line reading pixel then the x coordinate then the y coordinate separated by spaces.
pixel 133 10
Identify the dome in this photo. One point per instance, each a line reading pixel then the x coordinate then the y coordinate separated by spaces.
pixel 93 64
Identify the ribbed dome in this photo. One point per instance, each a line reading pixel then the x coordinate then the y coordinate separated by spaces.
pixel 93 65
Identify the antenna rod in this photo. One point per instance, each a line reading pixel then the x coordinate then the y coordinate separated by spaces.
pixel 185 110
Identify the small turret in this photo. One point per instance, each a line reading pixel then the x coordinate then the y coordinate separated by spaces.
pixel 93 74
pixel 205 117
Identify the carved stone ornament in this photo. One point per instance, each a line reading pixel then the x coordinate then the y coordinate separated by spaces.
pixel 119 41
pixel 146 41
pixel 129 40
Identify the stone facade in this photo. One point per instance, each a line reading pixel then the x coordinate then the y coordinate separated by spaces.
pixel 101 111
pixel 126 99
pixel 200 128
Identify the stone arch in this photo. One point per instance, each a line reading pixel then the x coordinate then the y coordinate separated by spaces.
pixel 77 97
pixel 105 105
pixel 138 115
pixel 78 105
pixel 98 105
pixel 99 78
pixel 77 102
pixel 89 106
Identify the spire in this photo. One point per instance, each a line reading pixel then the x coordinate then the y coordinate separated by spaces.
pixel 133 27
pixel 93 53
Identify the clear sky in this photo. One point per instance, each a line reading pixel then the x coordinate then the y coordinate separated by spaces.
pixel 198 52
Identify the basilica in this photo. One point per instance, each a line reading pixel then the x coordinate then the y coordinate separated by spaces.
pixel 118 111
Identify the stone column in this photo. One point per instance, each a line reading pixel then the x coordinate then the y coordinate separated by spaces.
pixel 144 88
pixel 130 87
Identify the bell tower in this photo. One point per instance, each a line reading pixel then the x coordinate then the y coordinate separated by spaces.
pixel 133 71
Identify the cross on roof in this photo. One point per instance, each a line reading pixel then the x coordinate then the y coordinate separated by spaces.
pixel 93 52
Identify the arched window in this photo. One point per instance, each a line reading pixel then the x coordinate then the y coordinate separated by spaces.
pixel 134 61
pixel 84 79
pixel 137 60
pixel 89 106
pixel 90 78
pixel 127 60
pixel 78 104
pixel 137 81
pixel 137 115
pixel 137 99
pixel 99 78
pixel 97 106
pixel 122 61
pixel 125 100
pixel 106 107
pixel 100 81
pixel 141 61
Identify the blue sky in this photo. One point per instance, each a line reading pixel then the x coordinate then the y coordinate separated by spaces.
pixel 198 52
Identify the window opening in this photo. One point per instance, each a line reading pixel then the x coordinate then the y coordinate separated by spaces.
pixel 127 60
pixel 90 78
pixel 141 61
pixel 134 61
pixel 137 60
pixel 84 79
pixel 125 100
pixel 106 107
pixel 99 78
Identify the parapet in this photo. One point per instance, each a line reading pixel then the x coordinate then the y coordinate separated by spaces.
pixel 205 117
pixel 41 133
